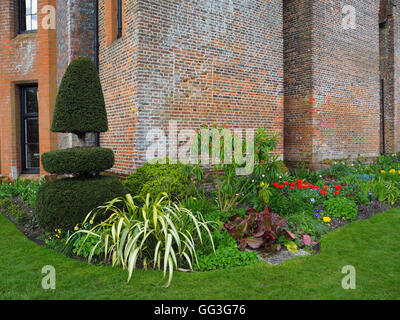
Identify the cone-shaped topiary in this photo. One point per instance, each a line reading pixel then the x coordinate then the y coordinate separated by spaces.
pixel 80 106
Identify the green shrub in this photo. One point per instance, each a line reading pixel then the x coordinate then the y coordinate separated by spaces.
pixel 64 203
pixel 341 208
pixel 226 257
pixel 156 178
pixel 80 106
pixel 78 161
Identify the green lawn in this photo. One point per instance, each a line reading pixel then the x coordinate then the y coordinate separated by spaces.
pixel 372 247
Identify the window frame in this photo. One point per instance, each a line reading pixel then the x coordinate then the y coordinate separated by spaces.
pixel 23 117
pixel 119 19
pixel 22 17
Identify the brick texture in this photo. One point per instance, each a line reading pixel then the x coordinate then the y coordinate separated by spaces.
pixel 194 62
pixel 24 59
pixel 332 81
pixel 286 65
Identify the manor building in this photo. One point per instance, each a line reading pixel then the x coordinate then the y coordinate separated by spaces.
pixel 322 73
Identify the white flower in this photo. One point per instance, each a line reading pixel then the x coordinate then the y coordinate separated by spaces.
pixel 312 200
pixel 263 175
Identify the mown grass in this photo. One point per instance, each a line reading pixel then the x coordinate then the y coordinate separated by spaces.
pixel 371 246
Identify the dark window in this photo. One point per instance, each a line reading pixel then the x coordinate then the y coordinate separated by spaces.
pixel 30 129
pixel 119 18
pixel 28 16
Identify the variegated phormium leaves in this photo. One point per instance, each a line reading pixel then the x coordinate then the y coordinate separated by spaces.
pixel 160 233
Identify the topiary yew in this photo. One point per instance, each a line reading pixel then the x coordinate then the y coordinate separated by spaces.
pixel 80 106
pixel 80 161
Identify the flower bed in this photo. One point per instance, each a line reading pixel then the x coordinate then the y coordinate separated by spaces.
pixel 271 209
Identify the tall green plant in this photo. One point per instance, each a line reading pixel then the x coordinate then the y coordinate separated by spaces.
pixel 160 234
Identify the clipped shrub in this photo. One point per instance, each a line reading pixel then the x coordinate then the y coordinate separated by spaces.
pixel 156 178
pixel 80 105
pixel 341 208
pixel 78 161
pixel 62 204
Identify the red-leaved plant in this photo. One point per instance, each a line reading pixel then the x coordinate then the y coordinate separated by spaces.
pixel 258 229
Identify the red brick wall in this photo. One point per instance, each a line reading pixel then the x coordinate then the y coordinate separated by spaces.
pixel 21 63
pixel 333 106
pixel 190 61
pixel 298 85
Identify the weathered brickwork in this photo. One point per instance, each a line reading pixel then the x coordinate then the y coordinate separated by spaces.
pixel 289 66
pixel 194 62
pixel 298 89
pixel 24 59
pixel 336 112
pixel 121 80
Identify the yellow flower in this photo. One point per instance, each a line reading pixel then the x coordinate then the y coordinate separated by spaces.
pixel 59 231
pixel 292 247
pixel 91 221
pixel 57 236
pixel 327 219
pixel 76 228
pixel 382 171
pixel 194 198
pixel 392 171
pixel 262 184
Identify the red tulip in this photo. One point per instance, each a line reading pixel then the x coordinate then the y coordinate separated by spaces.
pixel 337 192
pixel 286 183
pixel 323 192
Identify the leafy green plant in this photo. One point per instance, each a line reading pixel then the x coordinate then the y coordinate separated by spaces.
pixel 385 190
pixel 83 246
pixel 341 208
pixel 160 234
pixel 20 215
pixel 24 188
pixel 304 223
pixel 226 257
